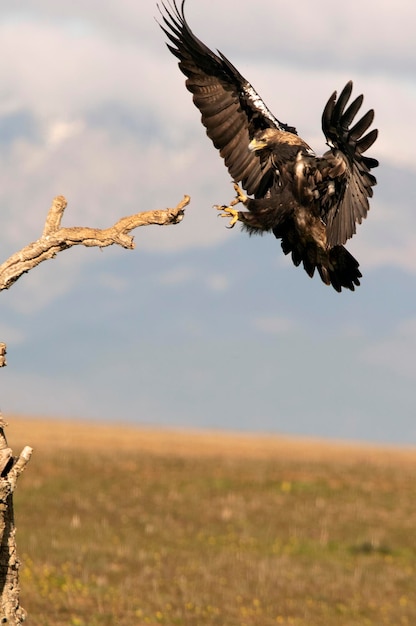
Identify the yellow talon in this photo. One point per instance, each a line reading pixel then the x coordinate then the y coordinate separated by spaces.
pixel 241 196
pixel 228 211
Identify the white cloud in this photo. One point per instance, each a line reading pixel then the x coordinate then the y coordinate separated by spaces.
pixel 111 126
pixel 13 335
pixel 182 274
pixel 47 283
pixel 150 148
pixel 387 237
pixel 177 276
pixel 397 352
pixel 60 130
pixel 217 282
pixel 274 325
pixel 114 282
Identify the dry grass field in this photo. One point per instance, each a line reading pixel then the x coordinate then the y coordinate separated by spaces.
pixel 122 526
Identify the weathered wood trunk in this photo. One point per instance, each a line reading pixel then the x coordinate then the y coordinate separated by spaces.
pixel 10 468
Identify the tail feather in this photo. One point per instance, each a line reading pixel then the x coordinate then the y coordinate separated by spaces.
pixel 343 269
pixel 339 268
pixel 336 266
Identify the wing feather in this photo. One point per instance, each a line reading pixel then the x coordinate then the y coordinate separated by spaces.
pixel 232 113
pixel 352 110
pixel 231 110
pixel 360 127
pixel 354 181
pixel 366 142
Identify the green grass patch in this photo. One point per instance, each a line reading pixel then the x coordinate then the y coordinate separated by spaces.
pixel 134 538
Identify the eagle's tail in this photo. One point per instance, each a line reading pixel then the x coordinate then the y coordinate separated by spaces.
pixel 336 266
pixel 339 269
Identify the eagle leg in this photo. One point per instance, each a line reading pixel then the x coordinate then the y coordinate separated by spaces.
pixel 240 197
pixel 228 210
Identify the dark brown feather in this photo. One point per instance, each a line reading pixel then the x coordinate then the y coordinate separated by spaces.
pixel 311 203
pixel 216 86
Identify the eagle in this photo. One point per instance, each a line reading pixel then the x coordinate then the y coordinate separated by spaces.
pixel 311 203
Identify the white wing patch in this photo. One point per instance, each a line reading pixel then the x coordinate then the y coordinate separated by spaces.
pixel 249 91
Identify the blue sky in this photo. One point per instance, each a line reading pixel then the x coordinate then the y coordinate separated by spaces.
pixel 201 326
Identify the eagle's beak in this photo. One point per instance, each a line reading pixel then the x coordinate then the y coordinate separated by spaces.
pixel 256 144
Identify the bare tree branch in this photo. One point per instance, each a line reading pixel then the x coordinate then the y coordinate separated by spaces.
pixel 3 361
pixel 54 239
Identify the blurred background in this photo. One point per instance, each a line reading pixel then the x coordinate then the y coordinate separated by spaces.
pixel 201 326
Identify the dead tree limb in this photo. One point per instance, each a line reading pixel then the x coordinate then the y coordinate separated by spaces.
pixel 10 469
pixel 54 239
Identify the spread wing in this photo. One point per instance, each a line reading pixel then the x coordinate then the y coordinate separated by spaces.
pixel 353 186
pixel 231 110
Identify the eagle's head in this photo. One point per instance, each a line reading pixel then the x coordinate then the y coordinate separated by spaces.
pixel 272 138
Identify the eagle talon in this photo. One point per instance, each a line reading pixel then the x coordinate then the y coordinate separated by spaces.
pixel 228 211
pixel 241 196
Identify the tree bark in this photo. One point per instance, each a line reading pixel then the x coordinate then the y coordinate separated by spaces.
pixel 3 361
pixel 10 469
pixel 54 239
